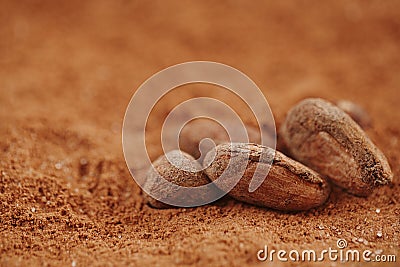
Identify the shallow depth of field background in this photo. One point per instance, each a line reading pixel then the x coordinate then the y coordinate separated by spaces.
pixel 68 70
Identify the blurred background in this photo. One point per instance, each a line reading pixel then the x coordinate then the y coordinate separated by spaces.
pixel 75 53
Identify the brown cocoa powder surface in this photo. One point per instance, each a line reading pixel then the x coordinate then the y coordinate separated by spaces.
pixel 68 70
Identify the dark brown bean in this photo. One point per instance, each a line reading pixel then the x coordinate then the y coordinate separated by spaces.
pixel 162 168
pixel 289 186
pixel 325 138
